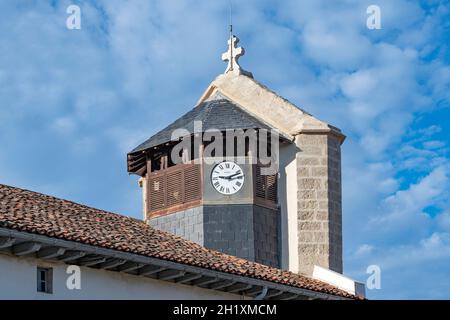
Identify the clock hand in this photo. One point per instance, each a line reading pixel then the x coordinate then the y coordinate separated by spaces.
pixel 233 175
pixel 235 178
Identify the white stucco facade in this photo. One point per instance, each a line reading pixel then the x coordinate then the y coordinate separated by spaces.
pixel 288 207
pixel 18 280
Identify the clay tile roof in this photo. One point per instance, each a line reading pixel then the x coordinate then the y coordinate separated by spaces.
pixel 37 213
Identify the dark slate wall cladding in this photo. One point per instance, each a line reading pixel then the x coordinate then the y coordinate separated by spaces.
pixel 229 229
pixel 187 224
pixel 266 226
pixel 246 231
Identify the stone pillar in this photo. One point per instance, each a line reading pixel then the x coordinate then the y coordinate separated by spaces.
pixel 319 202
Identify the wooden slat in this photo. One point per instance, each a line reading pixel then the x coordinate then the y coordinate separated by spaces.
pixel 271 191
pixel 141 171
pixel 149 166
pixel 178 208
pixel 260 184
pixel 165 189
pixel 140 168
pixel 132 157
pixel 136 163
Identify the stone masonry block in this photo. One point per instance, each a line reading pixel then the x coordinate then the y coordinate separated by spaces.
pixel 309 183
pixel 310 226
pixel 319 171
pixel 309 161
pixel 308 204
pixel 307 194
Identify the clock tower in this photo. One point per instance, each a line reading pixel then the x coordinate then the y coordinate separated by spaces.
pixel 246 173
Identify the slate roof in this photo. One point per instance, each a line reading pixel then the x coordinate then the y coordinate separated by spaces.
pixel 36 213
pixel 221 114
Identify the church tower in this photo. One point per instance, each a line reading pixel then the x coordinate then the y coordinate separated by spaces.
pixel 247 173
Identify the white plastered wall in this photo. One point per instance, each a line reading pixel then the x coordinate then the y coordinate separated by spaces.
pixel 288 207
pixel 18 280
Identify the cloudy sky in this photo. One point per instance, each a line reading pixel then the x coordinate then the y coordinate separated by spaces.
pixel 73 102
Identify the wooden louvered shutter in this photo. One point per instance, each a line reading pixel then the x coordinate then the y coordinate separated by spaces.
pixel 271 188
pixel 192 183
pixel 174 187
pixel 260 187
pixel 157 192
pixel 265 186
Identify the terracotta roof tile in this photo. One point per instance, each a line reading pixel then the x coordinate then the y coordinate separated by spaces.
pixel 45 215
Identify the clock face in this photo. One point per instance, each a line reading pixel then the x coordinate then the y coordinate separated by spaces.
pixel 227 177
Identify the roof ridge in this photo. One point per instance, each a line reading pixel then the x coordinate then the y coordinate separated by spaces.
pixel 70 201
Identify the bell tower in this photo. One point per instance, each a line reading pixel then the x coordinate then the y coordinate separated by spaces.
pixel 247 173
pixel 213 194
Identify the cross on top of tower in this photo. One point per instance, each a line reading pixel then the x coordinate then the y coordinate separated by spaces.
pixel 233 54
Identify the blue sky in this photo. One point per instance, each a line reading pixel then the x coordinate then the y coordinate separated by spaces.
pixel 73 102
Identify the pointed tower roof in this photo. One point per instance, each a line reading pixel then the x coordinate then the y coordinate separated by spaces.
pixel 218 113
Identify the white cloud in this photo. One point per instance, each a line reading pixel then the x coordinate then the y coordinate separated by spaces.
pixel 433 247
pixel 364 249
pixel 433 242
pixel 405 207
pixel 329 46
pixel 433 144
pixel 443 221
pixel 64 125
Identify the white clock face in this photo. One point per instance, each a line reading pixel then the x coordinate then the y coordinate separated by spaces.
pixel 227 177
